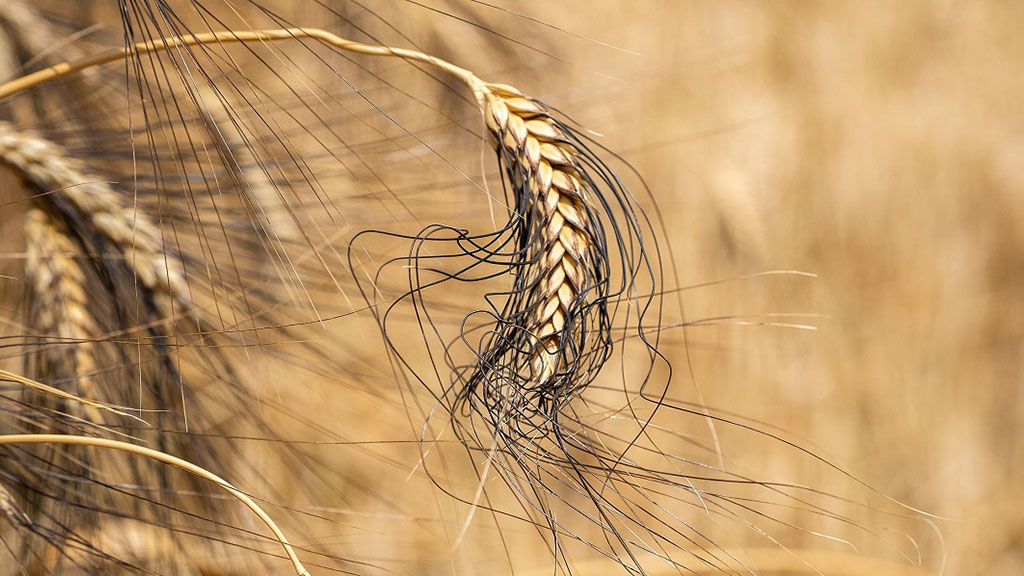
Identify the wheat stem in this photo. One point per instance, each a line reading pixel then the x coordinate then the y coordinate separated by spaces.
pixel 185 465
pixel 228 37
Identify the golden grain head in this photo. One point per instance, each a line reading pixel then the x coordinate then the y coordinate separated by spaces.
pixel 559 270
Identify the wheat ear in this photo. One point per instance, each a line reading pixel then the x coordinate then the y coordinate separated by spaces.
pixel 130 233
pixel 28 28
pixel 561 276
pixel 60 304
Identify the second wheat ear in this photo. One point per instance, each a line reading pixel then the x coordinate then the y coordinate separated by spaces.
pixel 556 335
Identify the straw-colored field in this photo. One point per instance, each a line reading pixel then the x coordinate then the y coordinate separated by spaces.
pixel 836 193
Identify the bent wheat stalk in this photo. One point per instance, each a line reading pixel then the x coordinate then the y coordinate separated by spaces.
pixel 562 240
pixel 165 458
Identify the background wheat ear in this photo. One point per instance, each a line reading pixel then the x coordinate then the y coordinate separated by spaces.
pixel 107 294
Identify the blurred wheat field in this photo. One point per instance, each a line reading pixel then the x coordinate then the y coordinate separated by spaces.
pixel 872 145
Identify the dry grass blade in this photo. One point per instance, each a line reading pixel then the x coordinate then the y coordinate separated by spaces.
pixel 33 384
